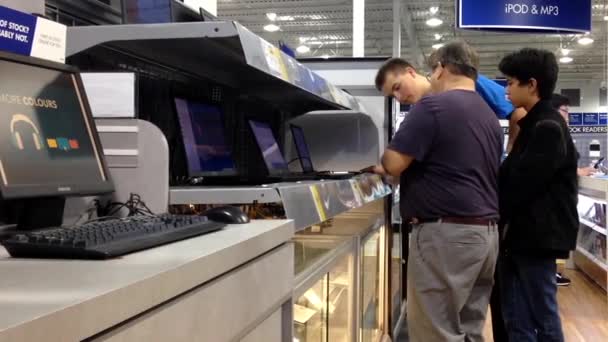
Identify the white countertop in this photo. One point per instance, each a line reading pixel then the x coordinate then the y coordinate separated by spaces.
pixel 599 184
pixel 69 300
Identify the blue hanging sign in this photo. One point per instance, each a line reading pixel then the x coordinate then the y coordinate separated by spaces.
pixel 591 119
pixel 524 15
pixel 603 119
pixel 576 119
pixel 28 35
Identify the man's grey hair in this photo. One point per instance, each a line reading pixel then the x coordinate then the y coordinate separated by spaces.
pixel 458 57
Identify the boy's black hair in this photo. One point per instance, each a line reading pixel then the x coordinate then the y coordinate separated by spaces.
pixel 558 100
pixel 527 64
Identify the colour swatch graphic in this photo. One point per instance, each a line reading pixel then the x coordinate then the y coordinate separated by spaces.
pixel 64 144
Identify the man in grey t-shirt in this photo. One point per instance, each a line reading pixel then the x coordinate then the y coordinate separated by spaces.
pixel 447 153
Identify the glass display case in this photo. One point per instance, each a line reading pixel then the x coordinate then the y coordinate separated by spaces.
pixel 310 314
pixel 323 311
pixel 339 303
pixel 395 264
pixel 592 233
pixel 339 295
pixel 590 255
pixel 370 288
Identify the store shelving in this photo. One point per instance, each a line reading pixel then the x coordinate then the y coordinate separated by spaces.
pixel 590 255
pixel 593 226
pixel 307 203
pixel 223 51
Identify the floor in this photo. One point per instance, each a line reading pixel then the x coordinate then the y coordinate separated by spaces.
pixel 583 308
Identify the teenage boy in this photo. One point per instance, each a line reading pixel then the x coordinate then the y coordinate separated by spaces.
pixel 538 195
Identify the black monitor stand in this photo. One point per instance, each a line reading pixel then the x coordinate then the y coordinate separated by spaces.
pixel 33 213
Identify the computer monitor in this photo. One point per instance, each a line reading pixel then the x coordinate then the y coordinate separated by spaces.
pixel 273 158
pixel 302 148
pixel 202 127
pixel 49 144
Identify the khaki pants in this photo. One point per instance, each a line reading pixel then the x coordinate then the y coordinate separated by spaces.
pixel 450 278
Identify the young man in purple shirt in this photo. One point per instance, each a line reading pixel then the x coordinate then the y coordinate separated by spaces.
pixel 447 153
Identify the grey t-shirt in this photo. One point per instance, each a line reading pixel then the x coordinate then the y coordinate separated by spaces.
pixel 456 141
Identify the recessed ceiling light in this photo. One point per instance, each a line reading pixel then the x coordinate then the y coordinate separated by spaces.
pixel 271 28
pixel 585 41
pixel 303 49
pixel 434 9
pixel 437 46
pixel 438 36
pixel 434 22
pixel 566 60
pixel 566 52
pixel 271 16
pixel 606 17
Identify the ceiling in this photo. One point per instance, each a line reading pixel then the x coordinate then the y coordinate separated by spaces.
pixel 326 28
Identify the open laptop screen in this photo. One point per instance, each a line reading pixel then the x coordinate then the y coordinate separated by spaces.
pixel 203 133
pixel 269 147
pixel 302 148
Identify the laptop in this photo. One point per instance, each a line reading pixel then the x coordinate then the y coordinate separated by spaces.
pixel 208 155
pixel 306 161
pixel 273 157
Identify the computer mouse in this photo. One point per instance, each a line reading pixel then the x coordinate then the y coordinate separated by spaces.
pixel 227 214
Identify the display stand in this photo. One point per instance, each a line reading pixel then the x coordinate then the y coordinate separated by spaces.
pixel 590 254
pixel 137 155
pixel 243 70
pixel 355 148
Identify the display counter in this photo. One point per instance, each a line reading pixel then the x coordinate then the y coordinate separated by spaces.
pixel 590 254
pixel 243 274
pixel 341 284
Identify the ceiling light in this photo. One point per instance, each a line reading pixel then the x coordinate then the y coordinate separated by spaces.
pixel 325 56
pixel 303 49
pixel 606 17
pixel 271 28
pixel 585 41
pixel 437 46
pixel 566 52
pixel 434 22
pixel 434 9
pixel 566 60
pixel 438 36
pixel 271 16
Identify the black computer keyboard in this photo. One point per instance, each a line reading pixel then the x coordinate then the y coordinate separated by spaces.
pixel 108 238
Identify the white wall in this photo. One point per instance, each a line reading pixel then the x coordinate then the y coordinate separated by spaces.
pixel 590 93
pixel 208 5
pixel 27 6
pixel 357 77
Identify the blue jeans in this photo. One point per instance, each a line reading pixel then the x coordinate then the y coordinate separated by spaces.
pixel 529 299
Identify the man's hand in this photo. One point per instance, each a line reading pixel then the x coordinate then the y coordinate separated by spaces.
pixel 379 170
pixel 585 171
